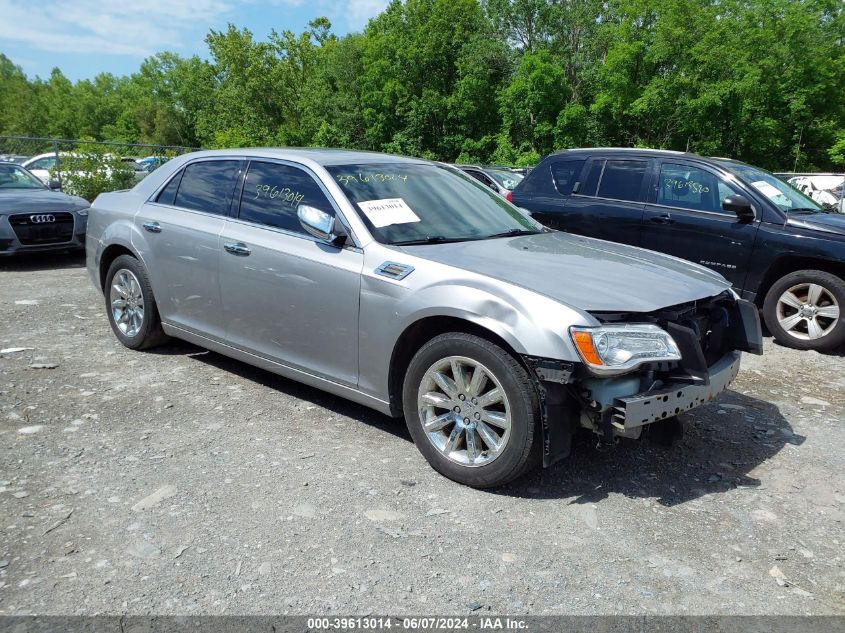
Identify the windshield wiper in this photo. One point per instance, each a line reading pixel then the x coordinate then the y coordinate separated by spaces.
pixel 432 239
pixel 515 232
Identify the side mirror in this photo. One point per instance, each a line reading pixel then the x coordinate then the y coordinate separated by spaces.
pixel 741 206
pixel 54 184
pixel 321 225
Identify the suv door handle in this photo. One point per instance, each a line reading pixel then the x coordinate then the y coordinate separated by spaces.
pixel 237 248
pixel 152 227
pixel 662 219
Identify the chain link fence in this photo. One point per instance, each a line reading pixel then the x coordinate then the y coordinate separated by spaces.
pixel 86 168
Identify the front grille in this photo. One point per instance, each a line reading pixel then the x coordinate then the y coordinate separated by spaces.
pixel 34 229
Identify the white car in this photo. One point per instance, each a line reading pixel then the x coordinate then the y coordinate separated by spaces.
pixel 827 190
pixel 40 166
pixel 43 165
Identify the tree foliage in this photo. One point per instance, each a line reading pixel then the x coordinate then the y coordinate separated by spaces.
pixel 496 80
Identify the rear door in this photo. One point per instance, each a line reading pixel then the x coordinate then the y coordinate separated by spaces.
pixel 685 218
pixel 180 243
pixel 609 201
pixel 288 296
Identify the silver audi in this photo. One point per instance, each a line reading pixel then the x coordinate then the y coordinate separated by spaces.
pixel 411 288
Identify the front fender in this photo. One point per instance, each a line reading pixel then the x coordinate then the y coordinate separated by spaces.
pixel 530 324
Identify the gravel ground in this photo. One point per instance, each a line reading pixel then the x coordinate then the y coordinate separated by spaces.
pixel 181 482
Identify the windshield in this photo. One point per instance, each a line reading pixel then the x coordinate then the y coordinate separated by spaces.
pixel 15 177
pixel 406 203
pixel 507 179
pixel 785 196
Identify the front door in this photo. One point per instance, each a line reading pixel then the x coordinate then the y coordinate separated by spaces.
pixel 685 218
pixel 287 296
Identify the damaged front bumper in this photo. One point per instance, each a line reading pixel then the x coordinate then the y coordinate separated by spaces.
pixel 634 411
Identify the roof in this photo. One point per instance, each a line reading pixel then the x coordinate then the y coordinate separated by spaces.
pixel 625 150
pixel 321 156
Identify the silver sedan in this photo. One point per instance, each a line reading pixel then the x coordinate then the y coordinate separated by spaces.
pixel 409 287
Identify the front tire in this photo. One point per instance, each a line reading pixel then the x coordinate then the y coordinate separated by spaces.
pixel 804 310
pixel 472 410
pixel 131 306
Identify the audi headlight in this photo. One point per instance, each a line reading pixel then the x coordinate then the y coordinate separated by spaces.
pixel 614 349
pixel 83 211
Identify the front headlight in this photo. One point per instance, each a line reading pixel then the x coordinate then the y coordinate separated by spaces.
pixel 615 349
pixel 82 212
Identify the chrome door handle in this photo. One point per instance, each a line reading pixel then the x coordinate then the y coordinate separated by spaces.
pixel 662 219
pixel 152 227
pixel 237 248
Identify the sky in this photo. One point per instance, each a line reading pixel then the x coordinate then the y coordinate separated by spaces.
pixel 86 37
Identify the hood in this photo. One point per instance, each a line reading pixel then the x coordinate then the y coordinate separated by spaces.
pixel 30 200
pixel 827 222
pixel 584 273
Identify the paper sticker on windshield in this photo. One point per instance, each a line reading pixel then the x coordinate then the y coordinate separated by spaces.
pixel 771 192
pixel 388 211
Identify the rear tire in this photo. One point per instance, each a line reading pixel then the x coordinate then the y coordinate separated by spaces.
pixel 131 306
pixel 804 310
pixel 472 410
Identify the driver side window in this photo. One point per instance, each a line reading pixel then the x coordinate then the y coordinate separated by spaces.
pixel 691 188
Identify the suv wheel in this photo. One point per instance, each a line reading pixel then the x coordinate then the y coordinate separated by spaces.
pixel 472 410
pixel 130 305
pixel 804 310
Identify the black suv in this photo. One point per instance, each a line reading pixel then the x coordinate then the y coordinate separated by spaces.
pixel 774 244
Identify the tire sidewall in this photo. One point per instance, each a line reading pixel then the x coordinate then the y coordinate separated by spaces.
pixel 523 403
pixel 832 283
pixel 147 325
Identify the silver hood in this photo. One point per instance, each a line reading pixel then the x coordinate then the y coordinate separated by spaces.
pixel 584 273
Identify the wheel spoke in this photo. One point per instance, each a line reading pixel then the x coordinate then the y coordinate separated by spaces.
pixel 446 384
pixel 472 448
pixel 453 440
pixel 459 375
pixel 791 300
pixel 814 293
pixel 790 322
pixel 118 304
pixel 434 399
pixel 491 397
pixel 828 312
pixel 497 418
pixel 489 436
pixel 814 330
pixel 478 382
pixel 436 424
pixel 121 290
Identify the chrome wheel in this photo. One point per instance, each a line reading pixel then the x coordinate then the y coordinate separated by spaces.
pixel 464 411
pixel 808 311
pixel 127 302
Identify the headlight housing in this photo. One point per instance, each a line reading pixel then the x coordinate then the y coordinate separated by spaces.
pixel 83 211
pixel 616 349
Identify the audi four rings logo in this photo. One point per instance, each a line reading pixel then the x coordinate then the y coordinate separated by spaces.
pixel 42 219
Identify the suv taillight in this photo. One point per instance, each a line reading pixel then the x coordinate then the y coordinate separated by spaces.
pixel 509 196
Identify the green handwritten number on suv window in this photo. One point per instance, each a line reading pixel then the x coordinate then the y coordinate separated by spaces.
pixel 347 179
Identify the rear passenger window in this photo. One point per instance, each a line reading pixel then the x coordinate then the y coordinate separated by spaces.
pixel 168 194
pixel 591 181
pixel 208 186
pixel 623 180
pixel 273 192
pixel 565 174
